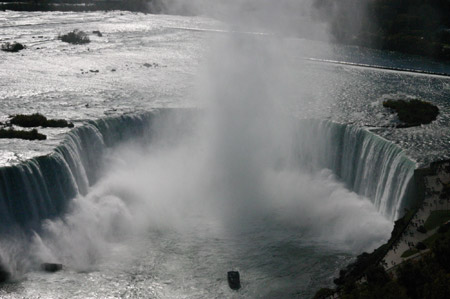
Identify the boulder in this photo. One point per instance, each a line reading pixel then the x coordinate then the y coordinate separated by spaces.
pixel 4 274
pixel 51 267
pixel 99 34
pixel 12 47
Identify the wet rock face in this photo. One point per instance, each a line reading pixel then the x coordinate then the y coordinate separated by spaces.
pixel 4 274
pixel 51 267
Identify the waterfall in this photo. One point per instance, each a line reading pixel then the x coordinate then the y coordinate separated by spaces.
pixel 368 164
pixel 43 186
pixel 36 189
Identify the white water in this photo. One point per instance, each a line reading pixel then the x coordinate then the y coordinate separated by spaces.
pixel 169 220
pixel 368 164
pixel 177 216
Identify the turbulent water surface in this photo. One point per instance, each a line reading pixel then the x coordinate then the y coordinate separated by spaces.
pixel 168 220
pixel 242 185
pixel 151 61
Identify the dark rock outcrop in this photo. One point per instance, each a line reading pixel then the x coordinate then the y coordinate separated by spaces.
pixel 51 267
pixel 76 37
pixel 12 47
pixel 21 134
pixel 38 120
pixel 4 274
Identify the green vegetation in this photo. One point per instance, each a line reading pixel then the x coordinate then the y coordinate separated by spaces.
pixel 38 120
pixel 428 242
pixel 444 228
pixel 12 47
pixel 29 121
pixel 427 277
pixel 409 252
pixel 416 26
pixel 365 261
pixel 422 229
pixel 421 246
pixel 20 134
pixel 76 37
pixel 436 218
pixel 431 239
pixel 414 112
pixel 324 293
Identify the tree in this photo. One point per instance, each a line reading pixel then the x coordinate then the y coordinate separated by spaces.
pixel 441 251
pixel 440 288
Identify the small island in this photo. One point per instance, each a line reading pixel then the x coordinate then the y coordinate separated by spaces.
pixel 12 47
pixel 39 120
pixel 413 113
pixel 415 262
pixel 21 134
pixel 31 121
pixel 76 37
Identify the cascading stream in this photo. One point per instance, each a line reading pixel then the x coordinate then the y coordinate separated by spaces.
pixel 169 196
pixel 368 164
pixel 42 187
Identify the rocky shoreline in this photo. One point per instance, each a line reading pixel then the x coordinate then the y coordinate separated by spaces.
pixel 418 233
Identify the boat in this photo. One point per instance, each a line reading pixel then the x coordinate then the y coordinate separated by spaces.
pixel 234 280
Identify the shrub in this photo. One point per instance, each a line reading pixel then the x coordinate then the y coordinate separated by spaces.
pixel 421 246
pixel 76 37
pixel 411 276
pixel 422 229
pixel 444 228
pixel 27 135
pixel 28 121
pixel 324 293
pixel 358 268
pixel 58 123
pixel 38 120
pixel 377 275
pixel 14 47
pixel 437 218
pixel 441 249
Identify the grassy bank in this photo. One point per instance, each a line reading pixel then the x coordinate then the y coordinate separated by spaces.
pixel 427 277
pixel 366 261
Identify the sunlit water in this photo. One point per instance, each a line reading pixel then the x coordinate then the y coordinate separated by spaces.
pixel 273 262
pixel 165 264
pixel 160 237
pixel 156 227
pixel 54 78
